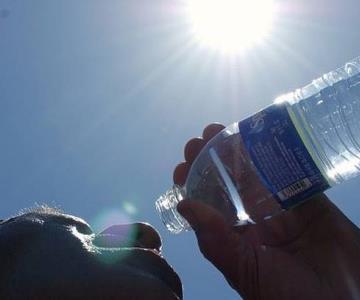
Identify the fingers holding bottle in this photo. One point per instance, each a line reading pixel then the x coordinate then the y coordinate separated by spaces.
pixel 192 149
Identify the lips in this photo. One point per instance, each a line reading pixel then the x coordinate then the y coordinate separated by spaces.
pixel 140 235
pixel 140 252
pixel 156 266
pixel 146 262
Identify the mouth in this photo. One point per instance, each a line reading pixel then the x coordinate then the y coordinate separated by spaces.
pixel 154 264
pixel 148 261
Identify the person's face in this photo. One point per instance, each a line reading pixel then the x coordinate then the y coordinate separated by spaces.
pixel 46 255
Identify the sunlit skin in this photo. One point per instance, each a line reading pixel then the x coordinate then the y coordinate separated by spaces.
pixel 231 25
pixel 309 252
pixel 45 254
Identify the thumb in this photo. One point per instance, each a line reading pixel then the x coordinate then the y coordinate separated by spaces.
pixel 218 242
pixel 211 229
pixel 202 218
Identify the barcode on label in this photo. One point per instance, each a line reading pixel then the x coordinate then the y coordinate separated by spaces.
pixel 294 189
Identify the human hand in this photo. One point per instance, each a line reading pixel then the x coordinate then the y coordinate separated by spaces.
pixel 309 252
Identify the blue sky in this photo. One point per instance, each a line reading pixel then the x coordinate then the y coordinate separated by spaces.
pixel 97 99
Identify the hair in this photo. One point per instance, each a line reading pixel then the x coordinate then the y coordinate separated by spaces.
pixel 40 209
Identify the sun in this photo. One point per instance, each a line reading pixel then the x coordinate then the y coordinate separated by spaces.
pixel 231 25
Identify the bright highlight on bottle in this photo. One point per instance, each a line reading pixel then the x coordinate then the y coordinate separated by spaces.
pixel 231 25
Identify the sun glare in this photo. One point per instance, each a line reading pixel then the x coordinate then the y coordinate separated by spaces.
pixel 231 25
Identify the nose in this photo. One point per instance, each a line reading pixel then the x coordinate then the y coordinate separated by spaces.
pixel 140 235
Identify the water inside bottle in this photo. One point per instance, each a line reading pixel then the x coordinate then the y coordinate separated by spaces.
pixel 225 178
pixel 330 120
pixel 320 148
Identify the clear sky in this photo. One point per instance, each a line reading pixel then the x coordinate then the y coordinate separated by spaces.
pixel 97 99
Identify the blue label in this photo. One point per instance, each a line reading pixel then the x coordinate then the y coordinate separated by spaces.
pixel 282 161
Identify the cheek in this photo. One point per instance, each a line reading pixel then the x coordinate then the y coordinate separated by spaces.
pixel 50 256
pixel 62 264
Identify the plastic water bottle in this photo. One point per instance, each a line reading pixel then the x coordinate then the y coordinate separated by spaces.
pixel 302 144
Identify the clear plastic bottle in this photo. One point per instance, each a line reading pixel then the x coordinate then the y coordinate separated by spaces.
pixel 302 144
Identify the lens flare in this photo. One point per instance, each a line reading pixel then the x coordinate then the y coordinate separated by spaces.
pixel 107 240
pixel 129 208
pixel 109 218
